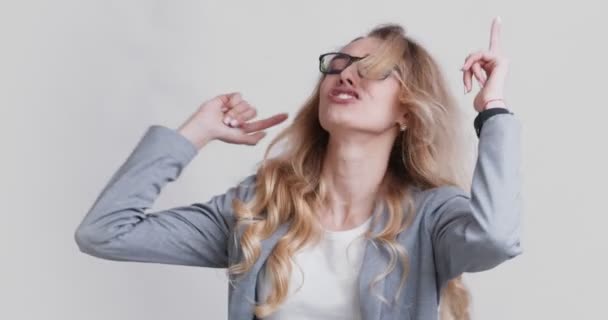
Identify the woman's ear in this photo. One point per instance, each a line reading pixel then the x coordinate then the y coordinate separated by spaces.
pixel 403 118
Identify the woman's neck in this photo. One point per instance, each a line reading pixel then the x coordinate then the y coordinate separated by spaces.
pixel 353 172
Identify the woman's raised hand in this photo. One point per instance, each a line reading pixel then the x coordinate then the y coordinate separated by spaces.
pixel 225 118
pixel 490 68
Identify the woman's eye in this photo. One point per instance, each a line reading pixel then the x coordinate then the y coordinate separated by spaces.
pixel 337 63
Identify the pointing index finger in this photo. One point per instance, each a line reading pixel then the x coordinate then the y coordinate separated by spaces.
pixel 495 34
pixel 264 124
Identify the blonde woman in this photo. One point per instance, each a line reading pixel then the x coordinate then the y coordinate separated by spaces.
pixel 362 215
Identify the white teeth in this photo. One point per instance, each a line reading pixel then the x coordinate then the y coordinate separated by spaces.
pixel 345 96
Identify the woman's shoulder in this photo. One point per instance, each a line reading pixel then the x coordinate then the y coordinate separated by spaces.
pixel 430 200
pixel 242 188
pixel 438 193
pixel 246 186
pixel 249 180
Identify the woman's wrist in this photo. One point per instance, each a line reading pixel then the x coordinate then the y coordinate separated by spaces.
pixel 197 138
pixel 494 103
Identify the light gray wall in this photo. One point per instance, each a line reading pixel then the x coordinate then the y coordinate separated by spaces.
pixel 80 81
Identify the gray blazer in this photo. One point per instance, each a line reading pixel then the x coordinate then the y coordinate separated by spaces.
pixel 453 231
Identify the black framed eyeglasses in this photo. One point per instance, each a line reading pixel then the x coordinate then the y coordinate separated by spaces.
pixel 336 62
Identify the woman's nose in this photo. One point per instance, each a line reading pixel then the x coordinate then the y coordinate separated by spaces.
pixel 347 75
pixel 347 79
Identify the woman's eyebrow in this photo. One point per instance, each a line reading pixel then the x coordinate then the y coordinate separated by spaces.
pixel 358 56
pixel 357 38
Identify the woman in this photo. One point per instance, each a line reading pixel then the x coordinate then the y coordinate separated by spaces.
pixel 363 215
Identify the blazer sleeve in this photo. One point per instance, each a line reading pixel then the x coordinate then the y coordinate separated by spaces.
pixel 476 232
pixel 117 226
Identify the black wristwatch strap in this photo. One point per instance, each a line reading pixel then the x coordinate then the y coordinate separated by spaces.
pixel 485 115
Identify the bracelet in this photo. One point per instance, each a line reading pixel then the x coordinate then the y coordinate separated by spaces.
pixel 485 115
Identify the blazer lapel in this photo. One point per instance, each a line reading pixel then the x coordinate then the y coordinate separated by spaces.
pixel 242 300
pixel 373 263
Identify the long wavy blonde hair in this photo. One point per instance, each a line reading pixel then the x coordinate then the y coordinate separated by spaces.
pixel 289 187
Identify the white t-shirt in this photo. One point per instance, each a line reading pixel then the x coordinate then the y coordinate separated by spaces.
pixel 330 271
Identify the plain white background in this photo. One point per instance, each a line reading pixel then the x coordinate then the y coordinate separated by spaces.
pixel 80 81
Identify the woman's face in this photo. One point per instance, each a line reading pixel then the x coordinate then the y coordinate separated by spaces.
pixel 349 102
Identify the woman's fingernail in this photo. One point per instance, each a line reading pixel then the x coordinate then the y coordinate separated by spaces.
pixel 234 122
pixel 227 120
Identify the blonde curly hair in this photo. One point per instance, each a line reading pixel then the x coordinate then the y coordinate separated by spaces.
pixel 289 187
